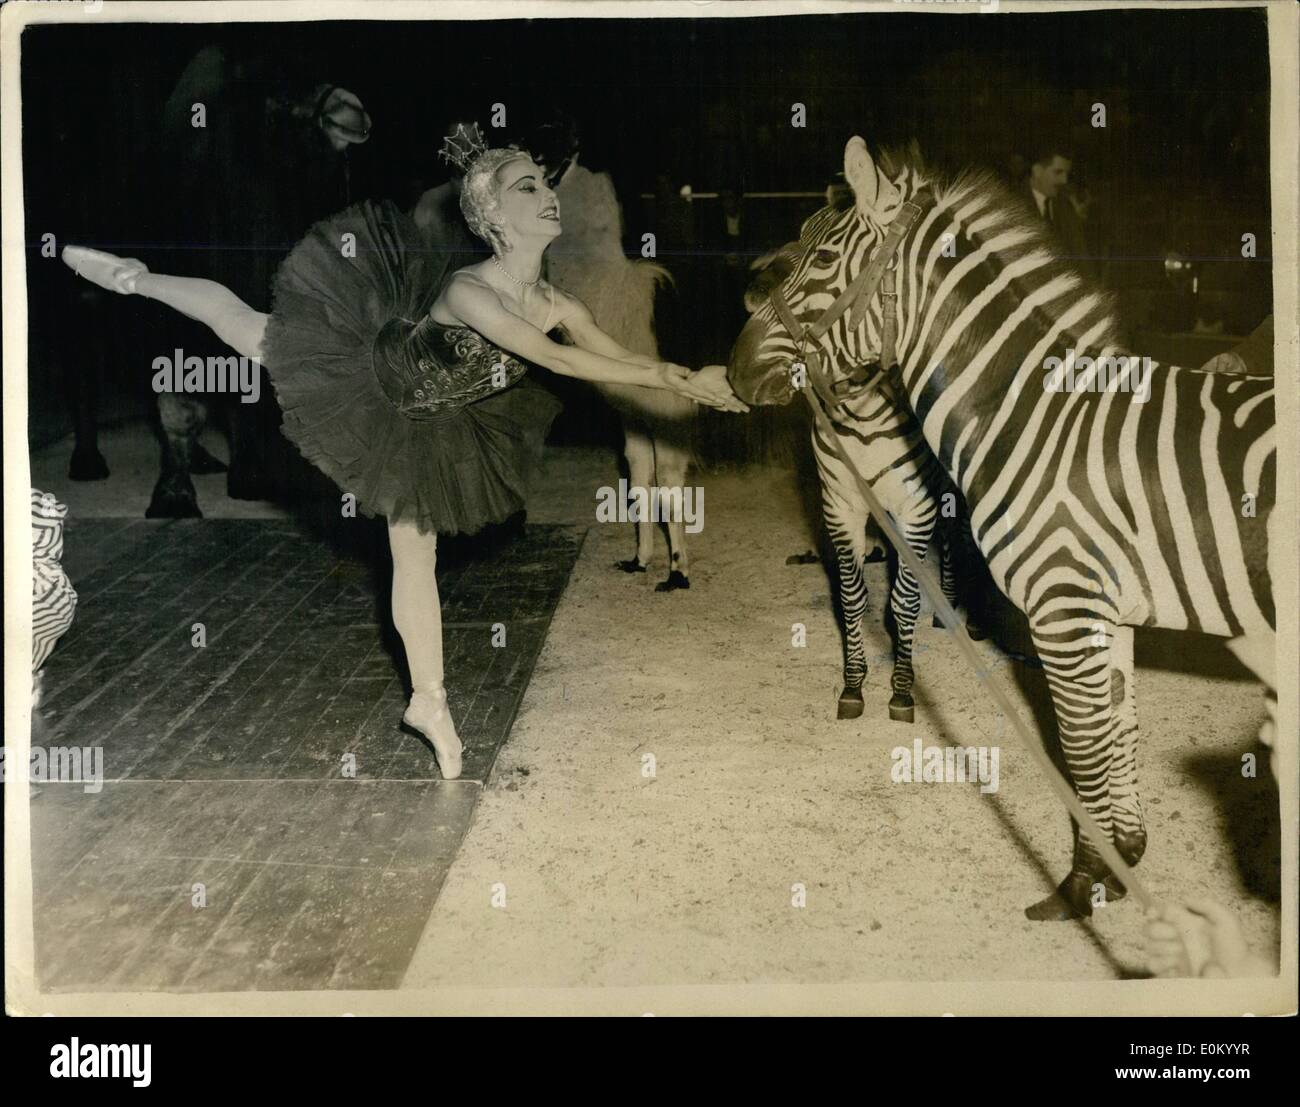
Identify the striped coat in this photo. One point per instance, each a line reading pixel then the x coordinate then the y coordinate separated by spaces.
pixel 1105 491
pixel 885 447
pixel 54 601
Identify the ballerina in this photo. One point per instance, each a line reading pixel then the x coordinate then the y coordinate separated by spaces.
pixel 407 387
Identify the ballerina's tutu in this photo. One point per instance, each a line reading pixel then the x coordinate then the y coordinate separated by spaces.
pixel 407 414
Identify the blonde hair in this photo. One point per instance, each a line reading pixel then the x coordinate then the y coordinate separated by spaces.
pixel 480 196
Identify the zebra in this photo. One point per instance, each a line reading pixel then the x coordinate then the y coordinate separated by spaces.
pixel 1095 513
pixel 885 445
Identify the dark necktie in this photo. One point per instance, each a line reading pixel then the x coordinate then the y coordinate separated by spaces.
pixel 1049 211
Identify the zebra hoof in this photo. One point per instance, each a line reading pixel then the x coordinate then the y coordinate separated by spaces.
pixel 902 708
pixel 676 579
pixel 977 632
pixel 850 706
pixel 631 565
pixel 1131 847
pixel 1073 898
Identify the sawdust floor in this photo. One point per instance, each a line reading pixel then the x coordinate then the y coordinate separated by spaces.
pixel 614 877
pixel 581 869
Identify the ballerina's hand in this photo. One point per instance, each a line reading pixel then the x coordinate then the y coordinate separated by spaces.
pixel 707 386
pixel 1200 939
pixel 681 380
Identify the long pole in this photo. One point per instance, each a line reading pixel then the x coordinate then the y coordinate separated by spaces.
pixel 930 586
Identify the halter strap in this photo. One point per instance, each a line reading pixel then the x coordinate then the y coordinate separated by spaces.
pixel 859 291
pixel 879 271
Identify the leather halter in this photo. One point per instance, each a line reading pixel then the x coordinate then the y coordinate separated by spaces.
pixel 857 295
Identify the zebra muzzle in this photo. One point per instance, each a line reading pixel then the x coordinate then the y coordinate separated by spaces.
pixel 779 384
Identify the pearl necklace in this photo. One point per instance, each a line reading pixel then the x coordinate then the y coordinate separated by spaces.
pixel 521 284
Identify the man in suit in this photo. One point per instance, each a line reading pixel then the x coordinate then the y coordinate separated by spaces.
pixel 1047 190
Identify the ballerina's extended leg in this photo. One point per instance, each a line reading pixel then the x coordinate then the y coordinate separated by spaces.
pixel 417 610
pixel 232 320
pixel 417 614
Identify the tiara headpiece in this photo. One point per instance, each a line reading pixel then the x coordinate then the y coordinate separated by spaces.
pixel 464 146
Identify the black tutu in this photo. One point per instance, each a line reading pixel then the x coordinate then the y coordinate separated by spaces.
pixel 453 474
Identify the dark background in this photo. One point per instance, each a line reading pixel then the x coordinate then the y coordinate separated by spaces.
pixel 1181 164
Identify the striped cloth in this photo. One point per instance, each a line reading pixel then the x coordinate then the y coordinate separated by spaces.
pixel 53 600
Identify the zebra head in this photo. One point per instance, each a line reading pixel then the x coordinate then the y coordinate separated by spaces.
pixel 833 245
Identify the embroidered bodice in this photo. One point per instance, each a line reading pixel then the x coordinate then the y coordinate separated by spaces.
pixel 429 370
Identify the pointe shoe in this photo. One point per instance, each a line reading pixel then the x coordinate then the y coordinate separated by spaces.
pixel 427 713
pixel 106 270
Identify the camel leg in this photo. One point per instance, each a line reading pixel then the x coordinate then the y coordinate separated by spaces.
pixel 182 420
pixel 671 460
pixel 639 451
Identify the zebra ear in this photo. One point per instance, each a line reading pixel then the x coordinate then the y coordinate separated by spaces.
pixel 873 191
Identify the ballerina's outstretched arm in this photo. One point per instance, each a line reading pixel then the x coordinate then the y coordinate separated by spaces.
pixel 710 382
pixel 598 358
pixel 232 320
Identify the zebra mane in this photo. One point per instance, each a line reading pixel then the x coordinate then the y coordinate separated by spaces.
pixel 906 166
pixel 978 184
pixel 895 159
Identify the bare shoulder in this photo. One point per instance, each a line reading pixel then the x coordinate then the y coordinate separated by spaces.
pixel 469 277
pixel 466 288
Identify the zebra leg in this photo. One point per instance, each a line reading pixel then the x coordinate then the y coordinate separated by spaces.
pixel 1130 832
pixel 957 548
pixel 847 528
pixel 845 516
pixel 1076 656
pixel 947 569
pixel 947 566
pixel 671 461
pixel 905 602
pixel 640 454
pixel 971 560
